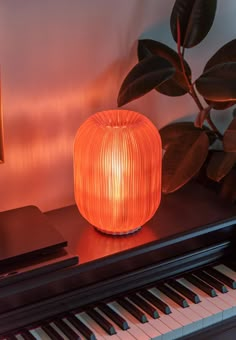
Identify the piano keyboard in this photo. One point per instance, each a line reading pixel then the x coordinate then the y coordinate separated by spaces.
pixel 163 311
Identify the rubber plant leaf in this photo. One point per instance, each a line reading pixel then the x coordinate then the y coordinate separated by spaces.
pixel 220 164
pixel 226 53
pixel 227 188
pixel 229 139
pixel 195 17
pixel 144 77
pixel 183 159
pixel 172 132
pixel 218 84
pixel 175 86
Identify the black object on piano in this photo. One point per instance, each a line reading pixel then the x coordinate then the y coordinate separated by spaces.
pixel 26 233
pixel 30 246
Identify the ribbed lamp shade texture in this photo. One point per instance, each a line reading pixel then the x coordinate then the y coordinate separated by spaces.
pixel 117 170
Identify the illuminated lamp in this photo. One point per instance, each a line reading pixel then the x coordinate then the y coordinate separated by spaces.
pixel 117 170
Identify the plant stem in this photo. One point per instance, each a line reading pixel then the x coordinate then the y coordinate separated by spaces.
pixel 191 89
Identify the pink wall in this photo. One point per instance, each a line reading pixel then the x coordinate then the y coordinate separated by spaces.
pixel 63 60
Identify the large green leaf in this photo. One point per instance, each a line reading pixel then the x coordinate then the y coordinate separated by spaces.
pixel 176 86
pixel 172 132
pixel 195 17
pixel 226 53
pixel 229 139
pixel 183 159
pixel 220 164
pixel 144 77
pixel 218 84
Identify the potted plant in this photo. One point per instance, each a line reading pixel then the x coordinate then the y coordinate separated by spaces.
pixel 187 144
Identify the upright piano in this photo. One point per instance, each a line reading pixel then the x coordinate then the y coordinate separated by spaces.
pixel 173 279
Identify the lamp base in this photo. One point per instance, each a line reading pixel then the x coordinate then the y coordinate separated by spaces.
pixel 117 233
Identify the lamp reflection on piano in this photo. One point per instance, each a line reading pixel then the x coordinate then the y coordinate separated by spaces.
pixel 99 245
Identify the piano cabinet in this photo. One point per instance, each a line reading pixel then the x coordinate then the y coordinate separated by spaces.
pixel 192 229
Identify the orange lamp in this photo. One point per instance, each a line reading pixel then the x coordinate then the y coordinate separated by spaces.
pixel 117 170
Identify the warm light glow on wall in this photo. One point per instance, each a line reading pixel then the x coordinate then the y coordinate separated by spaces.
pixel 117 170
pixel 1 128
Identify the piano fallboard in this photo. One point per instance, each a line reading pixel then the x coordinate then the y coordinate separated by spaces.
pixel 192 228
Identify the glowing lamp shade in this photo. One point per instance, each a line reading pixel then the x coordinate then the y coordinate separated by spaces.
pixel 117 170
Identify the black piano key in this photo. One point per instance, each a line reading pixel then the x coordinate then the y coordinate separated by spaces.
pixel 116 318
pixel 135 311
pixel 211 281
pixel 50 331
pixel 104 323
pixel 137 300
pixel 184 290
pixel 201 285
pixel 66 329
pixel 221 277
pixel 155 301
pixel 26 334
pixel 180 300
pixel 81 327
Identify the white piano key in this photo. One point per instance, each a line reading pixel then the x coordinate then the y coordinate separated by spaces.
pixel 152 331
pixel 166 331
pixel 59 331
pixel 206 302
pixel 19 337
pixel 227 309
pixel 230 298
pixel 231 295
pixel 230 273
pixel 190 312
pixel 223 302
pixel 176 328
pixel 98 330
pixel 170 319
pixel 137 329
pixel 122 334
pixel 72 327
pixel 179 317
pixel 189 320
pixel 226 270
pixel 39 334
pixel 90 323
pixel 112 337
pixel 202 312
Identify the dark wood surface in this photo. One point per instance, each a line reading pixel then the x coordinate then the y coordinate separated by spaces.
pixel 181 214
pixel 192 227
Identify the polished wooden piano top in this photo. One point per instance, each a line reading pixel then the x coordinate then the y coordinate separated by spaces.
pixel 190 211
